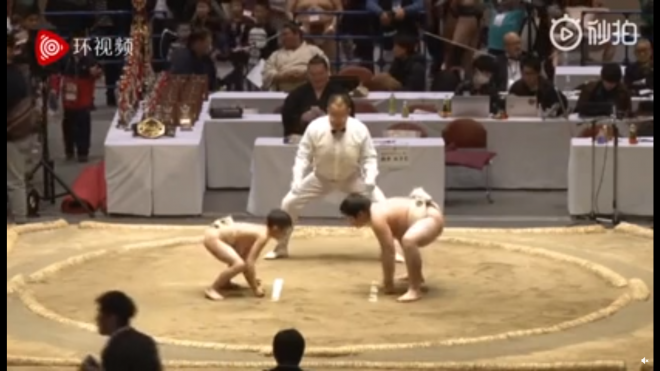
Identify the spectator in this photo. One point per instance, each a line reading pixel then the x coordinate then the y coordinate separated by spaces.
pixel 236 45
pixel 309 101
pixel 639 75
pixel 21 132
pixel 195 59
pixel 505 17
pixel 508 64
pixel 400 17
pixel 598 98
pixel 288 350
pixel 532 84
pixel 183 31
pixel 205 17
pixel 482 82
pixel 461 24
pixel 357 23
pixel 318 17
pixel 408 68
pixel 286 68
pixel 75 84
pixel 262 38
pixel 127 349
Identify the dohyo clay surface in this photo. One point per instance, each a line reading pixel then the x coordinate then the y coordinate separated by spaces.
pixel 498 298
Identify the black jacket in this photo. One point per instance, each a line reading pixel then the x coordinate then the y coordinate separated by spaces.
pixel 546 95
pixel 301 100
pixel 410 72
pixel 131 350
pixel 185 62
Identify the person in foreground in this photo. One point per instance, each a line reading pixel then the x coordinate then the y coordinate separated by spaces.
pixel 414 221
pixel 341 153
pixel 239 245
pixel 127 349
pixel 288 350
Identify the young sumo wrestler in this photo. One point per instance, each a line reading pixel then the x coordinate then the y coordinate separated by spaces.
pixel 239 245
pixel 414 221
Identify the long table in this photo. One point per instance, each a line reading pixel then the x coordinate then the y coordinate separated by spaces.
pixel 531 153
pixel 418 163
pixel 594 190
pixel 269 101
pixel 155 177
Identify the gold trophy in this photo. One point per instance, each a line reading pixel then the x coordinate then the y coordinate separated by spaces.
pixel 185 117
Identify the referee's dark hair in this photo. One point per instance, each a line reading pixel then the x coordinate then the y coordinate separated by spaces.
pixel 343 98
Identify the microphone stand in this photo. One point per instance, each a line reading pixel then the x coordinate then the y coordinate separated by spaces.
pixel 615 171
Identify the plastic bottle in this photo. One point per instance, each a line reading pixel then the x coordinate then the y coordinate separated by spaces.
pixel 392 105
pixel 405 110
pixel 632 135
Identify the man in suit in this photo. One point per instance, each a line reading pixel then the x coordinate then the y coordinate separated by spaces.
pixel 288 350
pixel 508 64
pixel 127 349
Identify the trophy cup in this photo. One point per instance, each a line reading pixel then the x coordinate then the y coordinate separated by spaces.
pixel 185 117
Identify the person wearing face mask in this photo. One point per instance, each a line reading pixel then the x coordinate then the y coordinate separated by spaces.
pixel 532 84
pixel 481 83
pixel 308 101
pixel 196 59
pixel 597 98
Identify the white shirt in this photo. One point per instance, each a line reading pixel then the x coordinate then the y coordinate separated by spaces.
pixel 514 71
pixel 336 156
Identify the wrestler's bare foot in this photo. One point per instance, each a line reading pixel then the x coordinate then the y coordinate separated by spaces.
pixel 273 255
pixel 212 294
pixel 410 296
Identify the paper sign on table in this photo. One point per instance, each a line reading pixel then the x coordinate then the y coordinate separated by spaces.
pixel 393 157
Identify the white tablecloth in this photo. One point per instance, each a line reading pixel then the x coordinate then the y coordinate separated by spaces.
pixel 531 153
pixel 635 178
pixel 161 177
pixel 268 101
pixel 273 163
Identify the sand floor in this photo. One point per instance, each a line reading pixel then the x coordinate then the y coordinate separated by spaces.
pixel 473 292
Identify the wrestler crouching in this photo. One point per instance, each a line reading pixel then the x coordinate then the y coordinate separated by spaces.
pixel 414 221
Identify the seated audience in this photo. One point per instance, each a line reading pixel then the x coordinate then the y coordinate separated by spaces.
pixel 532 84
pixel 481 82
pixel 639 75
pixel 309 101
pixel 204 16
pixel 182 33
pixel 447 80
pixel 508 64
pixel 262 38
pixel 195 59
pixel 408 70
pixel 505 17
pixel 316 18
pixel 286 68
pixel 597 98
pixel 127 349
pixel 235 45
pixel 288 350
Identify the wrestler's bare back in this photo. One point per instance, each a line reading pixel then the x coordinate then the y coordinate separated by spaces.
pixel 240 236
pixel 395 214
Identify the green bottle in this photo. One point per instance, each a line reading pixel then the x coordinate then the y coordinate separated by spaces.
pixel 405 110
pixel 392 105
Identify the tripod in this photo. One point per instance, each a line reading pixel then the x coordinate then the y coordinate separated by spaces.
pixel 47 165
